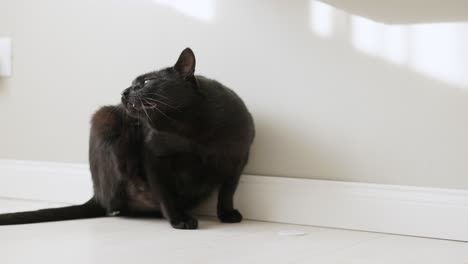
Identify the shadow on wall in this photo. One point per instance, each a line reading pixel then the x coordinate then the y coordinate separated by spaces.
pixel 4 92
pixel 404 11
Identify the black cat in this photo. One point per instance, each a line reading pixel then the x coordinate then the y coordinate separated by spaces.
pixel 175 138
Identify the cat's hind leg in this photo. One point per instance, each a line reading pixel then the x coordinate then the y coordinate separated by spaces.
pixel 225 209
pixel 230 176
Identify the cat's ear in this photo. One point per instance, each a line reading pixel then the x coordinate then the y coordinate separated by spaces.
pixel 185 65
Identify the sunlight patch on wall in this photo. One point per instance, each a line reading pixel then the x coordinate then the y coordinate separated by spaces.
pixel 201 9
pixel 321 18
pixel 395 44
pixel 387 42
pixel 365 35
pixel 437 50
pixel 434 50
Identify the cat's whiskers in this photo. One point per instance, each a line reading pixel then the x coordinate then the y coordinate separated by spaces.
pixel 149 104
pixel 161 102
pixel 168 100
pixel 158 94
pixel 155 106
pixel 163 113
pixel 144 110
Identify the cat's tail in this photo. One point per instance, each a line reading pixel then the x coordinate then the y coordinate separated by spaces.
pixel 90 209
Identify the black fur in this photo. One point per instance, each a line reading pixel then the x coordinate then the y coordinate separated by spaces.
pixel 175 138
pixel 87 210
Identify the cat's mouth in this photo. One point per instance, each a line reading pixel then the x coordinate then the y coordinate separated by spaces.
pixel 135 104
pixel 132 106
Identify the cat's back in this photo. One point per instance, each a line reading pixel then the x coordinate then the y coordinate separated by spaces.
pixel 218 93
pixel 227 112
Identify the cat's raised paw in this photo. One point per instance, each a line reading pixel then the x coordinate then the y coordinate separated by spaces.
pixel 233 216
pixel 189 223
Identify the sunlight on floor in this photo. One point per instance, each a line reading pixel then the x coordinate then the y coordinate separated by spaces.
pixel 436 50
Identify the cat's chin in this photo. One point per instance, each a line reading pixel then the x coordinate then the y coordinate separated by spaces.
pixel 138 113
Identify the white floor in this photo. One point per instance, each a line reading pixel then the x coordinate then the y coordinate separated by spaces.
pixel 117 240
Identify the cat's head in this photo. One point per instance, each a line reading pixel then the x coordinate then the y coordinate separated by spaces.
pixel 163 94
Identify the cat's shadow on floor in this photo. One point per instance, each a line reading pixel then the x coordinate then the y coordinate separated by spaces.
pixel 204 222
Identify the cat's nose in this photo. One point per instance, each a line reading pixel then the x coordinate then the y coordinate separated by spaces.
pixel 126 92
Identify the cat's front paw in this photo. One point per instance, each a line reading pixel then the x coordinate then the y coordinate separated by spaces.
pixel 189 223
pixel 233 216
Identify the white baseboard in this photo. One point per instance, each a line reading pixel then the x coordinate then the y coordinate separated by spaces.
pixel 416 211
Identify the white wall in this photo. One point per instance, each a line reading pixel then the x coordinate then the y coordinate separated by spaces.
pixel 335 96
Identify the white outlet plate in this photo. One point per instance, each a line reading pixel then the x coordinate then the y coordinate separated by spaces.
pixel 5 57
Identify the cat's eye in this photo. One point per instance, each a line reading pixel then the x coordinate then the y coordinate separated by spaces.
pixel 146 81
